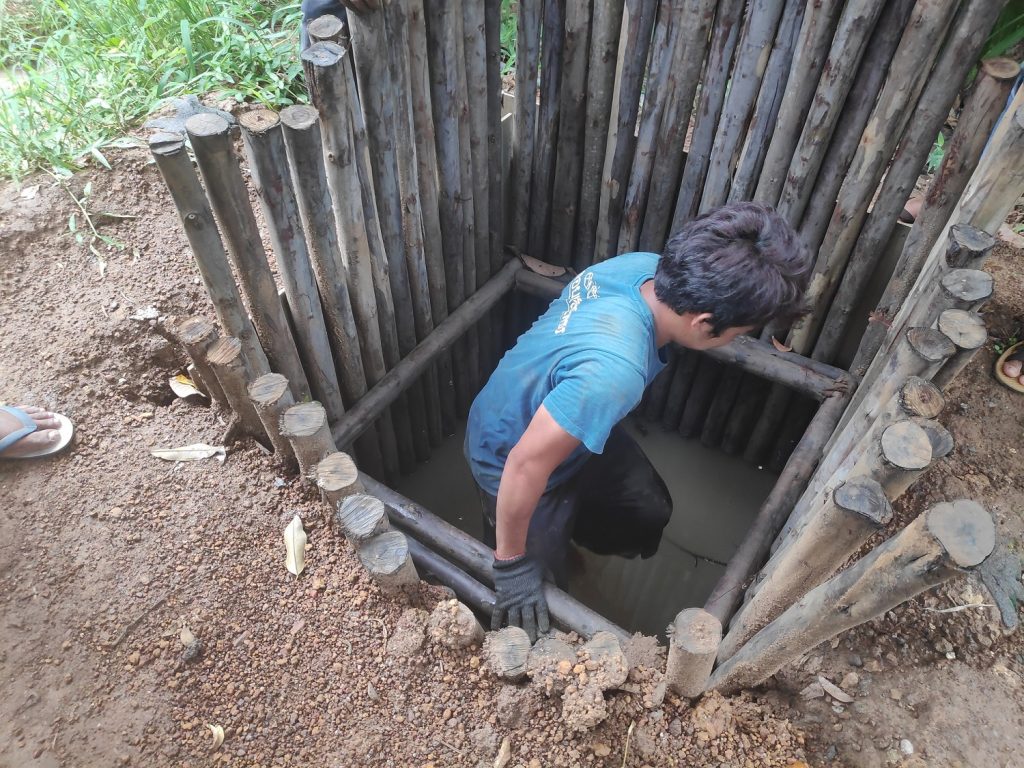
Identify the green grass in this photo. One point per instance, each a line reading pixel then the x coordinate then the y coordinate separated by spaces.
pixel 509 14
pixel 77 74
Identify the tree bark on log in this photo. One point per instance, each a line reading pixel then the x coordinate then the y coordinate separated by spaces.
pixel 527 49
pixel 196 335
pixel 229 366
pixel 330 81
pixel 634 43
pixel 386 557
pixel 848 45
pixel 687 62
pixel 337 477
pixel 229 198
pixel 305 425
pixel 752 55
pixel 207 248
pixel 268 164
pixel 812 48
pixel 943 542
pixel 728 20
pixel 361 517
pixel 271 397
pixel 855 511
pixel 693 639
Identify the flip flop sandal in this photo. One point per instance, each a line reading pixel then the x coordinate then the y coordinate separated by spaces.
pixel 1013 384
pixel 28 426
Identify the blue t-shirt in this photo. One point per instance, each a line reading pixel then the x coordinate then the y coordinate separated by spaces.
pixel 587 359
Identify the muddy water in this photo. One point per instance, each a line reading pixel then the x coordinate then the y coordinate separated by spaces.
pixel 715 498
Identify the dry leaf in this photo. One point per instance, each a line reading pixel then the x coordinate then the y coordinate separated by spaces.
pixel 194 452
pixel 780 346
pixel 504 753
pixel 183 386
pixel 834 690
pixel 186 636
pixel 218 736
pixel 295 544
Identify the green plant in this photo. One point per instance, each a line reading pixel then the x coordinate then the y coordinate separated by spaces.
pixel 936 153
pixel 509 30
pixel 1001 345
pixel 1007 32
pixel 79 73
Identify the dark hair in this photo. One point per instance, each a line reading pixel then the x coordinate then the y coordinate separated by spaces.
pixel 743 263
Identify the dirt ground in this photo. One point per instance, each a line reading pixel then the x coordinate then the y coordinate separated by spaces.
pixel 106 553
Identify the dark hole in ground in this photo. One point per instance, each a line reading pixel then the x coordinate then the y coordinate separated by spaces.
pixel 715 498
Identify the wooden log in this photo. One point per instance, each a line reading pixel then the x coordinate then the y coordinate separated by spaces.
pixel 268 164
pixel 565 193
pixel 981 110
pixel 812 48
pixel 327 28
pixel 475 45
pixel 713 431
pixel 724 38
pixel 967 246
pixel 361 517
pixel 969 29
pixel 337 477
pixel 941 543
pixel 848 45
pixel 548 111
pixel 391 386
pixel 604 44
pixel 658 85
pixel 506 653
pixel 524 125
pixel 752 54
pixel 207 248
pixel 687 362
pixel 431 566
pixel 752 551
pixel 772 89
pixel 306 427
pixel 330 81
pixel 753 393
pixel 696 409
pixel 967 331
pixel 964 289
pixel 657 393
pixel 634 42
pixel 606 665
pixel 854 512
pixel 496 214
pixel 693 639
pixel 876 64
pixel 453 625
pixel 196 335
pixel 688 56
pixel 898 459
pixel 386 557
pixel 464 550
pixel 271 397
pixel 889 113
pixel 225 358
pixel 229 199
pixel 940 438
pixel 549 665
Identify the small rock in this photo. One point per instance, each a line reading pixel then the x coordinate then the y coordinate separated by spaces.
pixel 855 661
pixel 193 651
pixel 602 750
pixel 850 680
pixel 831 752
pixel 133 658
pixel 895 695
pixel 906 747
pixel 943 646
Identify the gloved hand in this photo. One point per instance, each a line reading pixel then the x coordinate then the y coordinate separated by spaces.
pixel 519 595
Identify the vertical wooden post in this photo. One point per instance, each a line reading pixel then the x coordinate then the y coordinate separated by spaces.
pixel 230 201
pixel 941 543
pixel 338 478
pixel 225 358
pixel 306 427
pixel 693 639
pixel 854 512
pixel 527 48
pixel 197 219
pixel 327 28
pixel 386 558
pixel 268 164
pixel 196 335
pixel 725 35
pixel 271 397
pixel 329 84
pixel 634 42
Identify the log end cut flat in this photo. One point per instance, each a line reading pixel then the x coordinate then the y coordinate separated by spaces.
pixel 299 117
pixel 932 345
pixel 194 330
pixel 964 329
pixel 336 474
pixel 361 516
pixel 303 420
pixel 965 529
pixel 906 446
pixel 919 397
pixel 258 121
pixel 323 54
pixel 387 559
pixel 326 27
pixel 506 652
pixel 268 389
pixel 968 285
pixel 206 124
pixel 224 351
pixel 864 496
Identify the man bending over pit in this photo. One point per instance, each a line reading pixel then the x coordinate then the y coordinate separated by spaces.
pixel 542 439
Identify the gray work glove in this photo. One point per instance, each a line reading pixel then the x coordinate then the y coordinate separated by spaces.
pixel 519 595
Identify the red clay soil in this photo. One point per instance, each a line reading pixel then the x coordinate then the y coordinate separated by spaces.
pixel 106 553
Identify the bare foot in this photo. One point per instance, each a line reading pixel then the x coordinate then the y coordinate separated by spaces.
pixel 47 432
pixel 1013 366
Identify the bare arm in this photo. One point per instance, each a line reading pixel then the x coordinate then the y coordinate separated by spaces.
pixel 543 446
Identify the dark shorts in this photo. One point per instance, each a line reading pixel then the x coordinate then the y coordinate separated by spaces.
pixel 617 504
